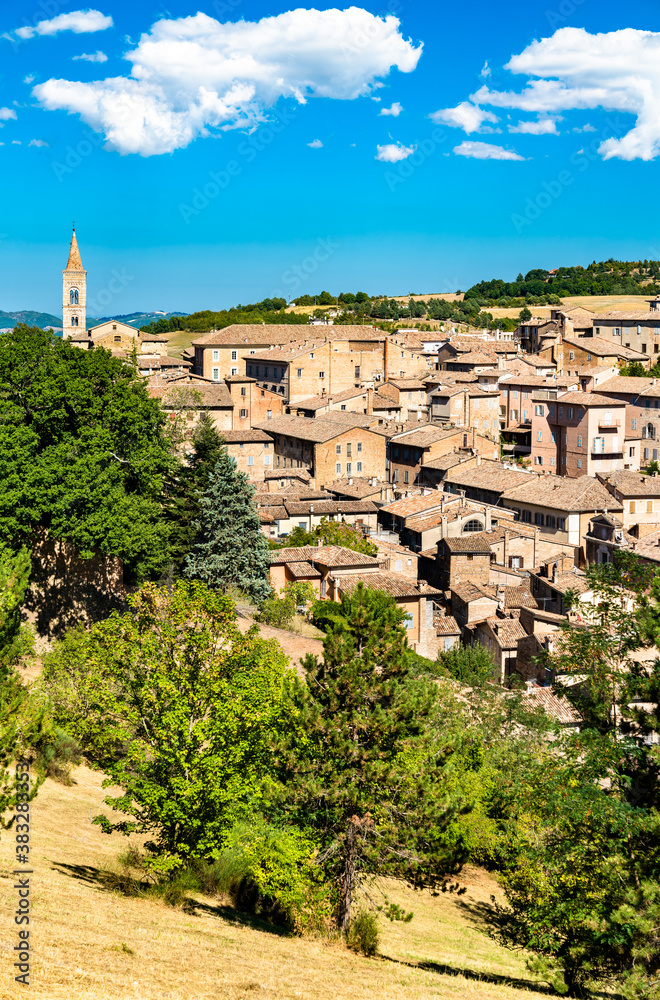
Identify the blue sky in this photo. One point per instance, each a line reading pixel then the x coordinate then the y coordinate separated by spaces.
pixel 241 150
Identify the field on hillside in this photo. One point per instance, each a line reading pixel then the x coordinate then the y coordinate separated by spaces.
pixel 93 944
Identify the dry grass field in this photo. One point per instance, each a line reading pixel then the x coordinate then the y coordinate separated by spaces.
pixel 94 944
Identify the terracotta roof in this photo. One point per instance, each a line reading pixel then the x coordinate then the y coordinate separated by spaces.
pixel 317 402
pixel 331 507
pixel 283 355
pixel 358 489
pixel 249 435
pixel 556 707
pixel 383 403
pixel 415 504
pixel 446 625
pixel 282 333
pixel 213 394
pixel 628 385
pixel 324 555
pixel 391 583
pixel 604 348
pixel 153 338
pixel 426 436
pixel 476 358
pixel 587 399
pixel 634 484
pixel 562 493
pixel 507 630
pixel 478 541
pixel 407 384
pixel 303 571
pixel 445 462
pixel 314 429
pixel 490 476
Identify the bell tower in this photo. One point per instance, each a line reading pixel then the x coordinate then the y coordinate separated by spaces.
pixel 74 293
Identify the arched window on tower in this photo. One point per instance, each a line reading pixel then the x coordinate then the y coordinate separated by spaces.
pixel 73 297
pixel 74 321
pixel 474 525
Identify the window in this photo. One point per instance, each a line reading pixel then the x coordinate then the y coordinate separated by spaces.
pixel 359 466
pixel 538 518
pixel 527 516
pixel 359 446
pixel 539 435
pixel 470 556
pixel 302 524
pixel 250 460
pixel 643 348
pixel 74 321
pixel 646 453
pixel 234 371
pixel 234 355
pixel 357 371
pixel 349 467
pixel 473 525
pixel 561 411
pixel 338 467
pixel 579 444
pixel 579 463
pixel 243 390
pixel 617 331
pixel 343 406
pixel 588 357
pixel 607 418
pixel 321 374
pixel 269 414
pixel 561 521
pixel 244 413
pixel 216 355
pixel 515 393
pixel 633 507
pixel 117 340
pixel 598 446
pixel 571 355
pixel 649 506
pixel 216 374
pixel 405 477
pixel 634 423
pixel 516 562
pixel 338 449
pixel 552 410
pixel 539 411
pixel 299 372
pixel 550 520
pixel 632 452
pixel 73 297
pixel 569 412
pixel 526 395
pixel 538 460
pixel 312 355
pixel 266 459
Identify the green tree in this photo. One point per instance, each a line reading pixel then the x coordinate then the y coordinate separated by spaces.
pixel 332 533
pixel 82 451
pixel 179 709
pixel 184 488
pixel 362 775
pixel 230 548
pixel 23 719
pixel 524 315
pixel 633 369
pixel 471 665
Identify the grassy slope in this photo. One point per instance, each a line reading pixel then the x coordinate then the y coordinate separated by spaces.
pixel 79 930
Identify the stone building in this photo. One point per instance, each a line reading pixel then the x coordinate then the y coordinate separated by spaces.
pixel 74 293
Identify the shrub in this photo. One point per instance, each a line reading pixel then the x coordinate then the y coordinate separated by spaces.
pixel 56 754
pixel 276 611
pixel 362 934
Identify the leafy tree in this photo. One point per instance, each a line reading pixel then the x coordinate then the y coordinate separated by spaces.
pixel 23 720
pixel 179 709
pixel 230 548
pixel 332 533
pixel 471 665
pixel 82 451
pixel 633 369
pixel 524 315
pixel 361 775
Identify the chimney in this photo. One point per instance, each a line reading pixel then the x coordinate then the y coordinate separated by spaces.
pixel 350 482
pixel 478 459
pixel 370 402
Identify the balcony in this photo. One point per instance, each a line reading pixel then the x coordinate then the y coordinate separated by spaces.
pixel 613 425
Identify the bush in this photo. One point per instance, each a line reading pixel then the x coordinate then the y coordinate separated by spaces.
pixel 472 665
pixel 56 754
pixel 362 934
pixel 276 611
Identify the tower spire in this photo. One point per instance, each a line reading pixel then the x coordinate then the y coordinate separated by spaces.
pixel 75 263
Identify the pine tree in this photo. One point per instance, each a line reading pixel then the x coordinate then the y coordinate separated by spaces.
pixel 363 776
pixel 229 547
pixel 185 489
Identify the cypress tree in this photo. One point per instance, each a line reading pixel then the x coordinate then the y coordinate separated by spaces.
pixel 229 547
pixel 362 773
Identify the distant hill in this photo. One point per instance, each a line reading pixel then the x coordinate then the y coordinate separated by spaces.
pixel 135 319
pixel 608 277
pixel 41 320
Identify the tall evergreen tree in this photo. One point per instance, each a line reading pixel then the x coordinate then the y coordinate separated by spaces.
pixel 184 490
pixel 363 776
pixel 229 547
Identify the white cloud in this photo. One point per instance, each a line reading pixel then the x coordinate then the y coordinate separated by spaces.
pixel 573 69
pixel 542 126
pixel 485 71
pixel 315 144
pixel 585 128
pixel 29 78
pixel 466 115
pixel 395 110
pixel 6 114
pixel 485 151
pixel 79 21
pixel 394 152
pixel 193 73
pixel 37 142
pixel 16 142
pixel 93 57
